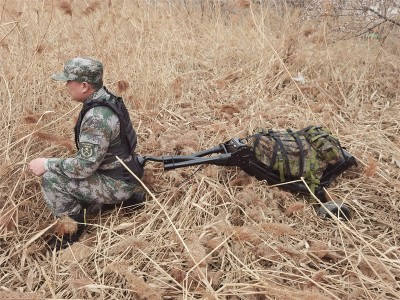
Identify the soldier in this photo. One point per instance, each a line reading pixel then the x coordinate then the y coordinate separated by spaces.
pixel 93 177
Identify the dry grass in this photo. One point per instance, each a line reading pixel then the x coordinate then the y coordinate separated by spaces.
pixel 193 76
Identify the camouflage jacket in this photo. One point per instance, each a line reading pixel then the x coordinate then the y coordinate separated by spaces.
pixel 99 129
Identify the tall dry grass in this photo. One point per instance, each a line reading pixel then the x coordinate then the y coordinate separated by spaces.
pixel 193 75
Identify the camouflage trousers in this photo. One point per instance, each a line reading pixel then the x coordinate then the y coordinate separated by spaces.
pixel 65 196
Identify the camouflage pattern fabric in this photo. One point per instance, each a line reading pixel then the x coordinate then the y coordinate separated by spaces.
pixel 71 182
pixel 279 151
pixel 267 146
pixel 81 69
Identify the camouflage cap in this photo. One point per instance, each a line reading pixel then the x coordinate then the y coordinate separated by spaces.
pixel 82 69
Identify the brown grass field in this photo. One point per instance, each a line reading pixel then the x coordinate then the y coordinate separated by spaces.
pixel 193 76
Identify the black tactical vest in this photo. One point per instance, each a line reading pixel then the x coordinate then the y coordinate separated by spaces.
pixel 128 139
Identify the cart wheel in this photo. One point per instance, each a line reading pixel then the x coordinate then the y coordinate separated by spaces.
pixel 338 209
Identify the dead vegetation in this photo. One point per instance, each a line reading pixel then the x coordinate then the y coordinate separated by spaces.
pixel 193 78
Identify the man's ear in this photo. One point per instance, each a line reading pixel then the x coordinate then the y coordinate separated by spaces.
pixel 85 86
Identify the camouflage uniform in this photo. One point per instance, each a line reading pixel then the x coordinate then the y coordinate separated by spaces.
pixel 72 182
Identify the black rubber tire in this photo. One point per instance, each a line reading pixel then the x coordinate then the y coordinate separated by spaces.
pixel 338 209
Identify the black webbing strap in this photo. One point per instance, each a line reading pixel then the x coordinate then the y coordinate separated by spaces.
pixel 301 149
pixel 282 149
pixel 256 142
pixel 274 154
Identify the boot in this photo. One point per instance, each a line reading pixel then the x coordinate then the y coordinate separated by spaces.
pixel 68 231
pixel 135 201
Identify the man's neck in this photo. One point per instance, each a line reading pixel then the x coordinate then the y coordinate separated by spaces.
pixel 95 94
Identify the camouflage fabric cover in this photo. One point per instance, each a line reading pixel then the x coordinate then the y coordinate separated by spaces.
pixel 71 182
pixel 81 69
pixel 305 153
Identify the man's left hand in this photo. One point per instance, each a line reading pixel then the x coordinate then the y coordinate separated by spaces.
pixel 36 166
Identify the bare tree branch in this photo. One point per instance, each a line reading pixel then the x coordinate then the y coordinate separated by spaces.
pixel 382 16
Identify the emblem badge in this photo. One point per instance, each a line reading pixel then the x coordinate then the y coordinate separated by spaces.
pixel 86 150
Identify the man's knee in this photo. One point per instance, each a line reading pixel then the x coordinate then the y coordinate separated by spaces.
pixel 53 182
pixel 56 195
